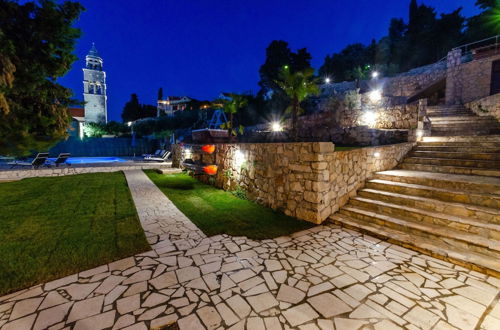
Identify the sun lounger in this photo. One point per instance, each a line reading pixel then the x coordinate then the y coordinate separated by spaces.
pixel 163 158
pixel 38 161
pixel 157 153
pixel 61 159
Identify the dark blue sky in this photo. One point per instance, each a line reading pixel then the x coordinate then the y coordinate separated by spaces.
pixel 202 47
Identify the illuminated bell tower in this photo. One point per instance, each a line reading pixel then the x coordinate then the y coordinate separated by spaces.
pixel 94 88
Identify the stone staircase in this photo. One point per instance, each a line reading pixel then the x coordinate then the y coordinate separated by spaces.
pixel 443 199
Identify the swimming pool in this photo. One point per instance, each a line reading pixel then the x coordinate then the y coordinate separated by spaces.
pixel 92 160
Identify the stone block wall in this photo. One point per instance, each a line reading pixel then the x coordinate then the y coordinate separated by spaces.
pixel 487 106
pixel 413 81
pixel 307 180
pixel 469 81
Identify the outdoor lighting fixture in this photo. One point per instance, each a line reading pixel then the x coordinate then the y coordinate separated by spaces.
pixel 208 148
pixel 285 67
pixel 129 123
pixel 374 74
pixel 276 127
pixel 375 96
pixel 187 154
pixel 327 80
pixel 377 154
pixel 210 169
pixel 370 118
pixel 239 158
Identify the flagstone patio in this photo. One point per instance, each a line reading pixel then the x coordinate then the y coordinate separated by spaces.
pixel 323 278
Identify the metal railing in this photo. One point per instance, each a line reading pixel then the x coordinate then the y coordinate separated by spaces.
pixel 491 42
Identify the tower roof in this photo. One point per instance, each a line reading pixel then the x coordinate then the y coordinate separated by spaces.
pixel 93 51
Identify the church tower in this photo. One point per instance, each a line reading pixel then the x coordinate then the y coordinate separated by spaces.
pixel 94 88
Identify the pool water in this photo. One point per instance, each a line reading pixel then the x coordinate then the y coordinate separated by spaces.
pixel 91 160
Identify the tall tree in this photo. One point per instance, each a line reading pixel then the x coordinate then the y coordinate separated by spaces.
pixel 278 57
pixel 486 24
pixel 297 86
pixel 37 41
pixel 132 109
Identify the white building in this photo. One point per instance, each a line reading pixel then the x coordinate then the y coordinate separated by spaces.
pixel 94 88
pixel 171 105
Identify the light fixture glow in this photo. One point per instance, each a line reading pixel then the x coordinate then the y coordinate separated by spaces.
pixel 276 127
pixel 370 118
pixel 239 158
pixel 285 67
pixel 420 133
pixel 377 154
pixel 375 96
pixel 375 74
pixel 327 80
pixel 129 123
pixel 187 154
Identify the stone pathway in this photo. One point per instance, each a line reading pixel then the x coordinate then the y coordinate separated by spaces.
pixel 167 229
pixel 323 278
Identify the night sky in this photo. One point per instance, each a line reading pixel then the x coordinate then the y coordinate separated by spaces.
pixel 199 48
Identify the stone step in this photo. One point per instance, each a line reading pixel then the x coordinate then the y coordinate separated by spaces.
pixel 436 248
pixel 466 183
pixel 488 201
pixel 455 155
pixel 458 149
pixel 419 209
pixel 455 238
pixel 460 139
pixel 459 119
pixel 472 124
pixel 450 169
pixel 464 132
pixel 479 213
pixel 490 164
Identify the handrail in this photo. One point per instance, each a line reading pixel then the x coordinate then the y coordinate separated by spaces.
pixel 477 42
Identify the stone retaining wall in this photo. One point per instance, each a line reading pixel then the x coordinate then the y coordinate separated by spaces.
pixel 487 106
pixel 14 174
pixel 466 82
pixel 306 180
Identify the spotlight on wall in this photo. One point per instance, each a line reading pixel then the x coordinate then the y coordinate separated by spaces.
pixel 375 74
pixel 239 158
pixel 377 154
pixel 375 96
pixel 327 80
pixel 276 127
pixel 370 118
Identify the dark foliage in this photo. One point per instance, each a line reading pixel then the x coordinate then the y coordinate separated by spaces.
pixel 33 106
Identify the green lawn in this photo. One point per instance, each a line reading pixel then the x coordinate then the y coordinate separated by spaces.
pixel 52 227
pixel 216 211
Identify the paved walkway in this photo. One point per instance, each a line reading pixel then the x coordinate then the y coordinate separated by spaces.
pixel 322 278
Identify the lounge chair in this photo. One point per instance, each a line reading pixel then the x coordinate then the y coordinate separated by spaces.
pixel 157 153
pixel 163 158
pixel 61 159
pixel 38 161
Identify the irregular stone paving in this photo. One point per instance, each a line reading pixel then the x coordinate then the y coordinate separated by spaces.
pixel 323 278
pixel 165 226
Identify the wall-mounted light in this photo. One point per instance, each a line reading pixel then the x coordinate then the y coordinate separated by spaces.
pixel 375 74
pixel 375 96
pixel 370 118
pixel 276 127
pixel 188 153
pixel 377 154
pixel 327 80
pixel 239 158
pixel 420 133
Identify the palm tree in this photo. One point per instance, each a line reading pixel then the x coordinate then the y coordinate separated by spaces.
pixel 297 86
pixel 231 105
